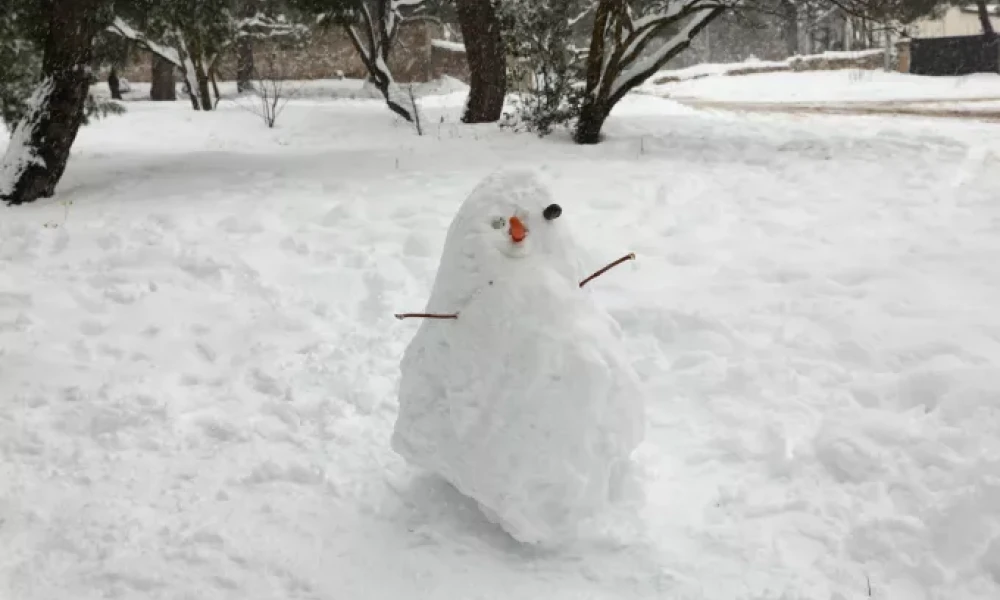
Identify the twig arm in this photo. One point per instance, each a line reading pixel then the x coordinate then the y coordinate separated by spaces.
pixel 402 316
pixel 627 257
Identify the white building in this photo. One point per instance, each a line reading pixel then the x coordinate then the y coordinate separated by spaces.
pixel 954 21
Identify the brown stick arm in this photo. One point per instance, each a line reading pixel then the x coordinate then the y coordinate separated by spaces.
pixel 402 316
pixel 627 257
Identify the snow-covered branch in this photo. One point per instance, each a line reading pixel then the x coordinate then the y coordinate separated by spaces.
pixel 262 26
pixel 177 56
pixel 627 38
pixel 167 53
pixel 195 51
pixel 628 46
pixel 369 23
pixel 380 26
pixel 636 69
pixel 188 70
pixel 573 21
pixel 649 26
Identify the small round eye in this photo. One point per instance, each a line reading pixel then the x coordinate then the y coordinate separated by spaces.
pixel 552 211
pixel 498 222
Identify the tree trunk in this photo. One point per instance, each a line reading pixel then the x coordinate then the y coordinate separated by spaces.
pixel 163 85
pixel 609 78
pixel 114 84
pixel 244 65
pixel 215 86
pixel 790 26
pixel 372 53
pixel 984 19
pixel 36 158
pixel 487 60
pixel 204 89
pixel 387 36
pixel 593 114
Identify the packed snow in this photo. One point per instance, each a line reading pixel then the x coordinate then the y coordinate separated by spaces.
pixel 199 363
pixel 525 400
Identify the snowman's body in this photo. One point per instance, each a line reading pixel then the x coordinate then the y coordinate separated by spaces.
pixel 525 402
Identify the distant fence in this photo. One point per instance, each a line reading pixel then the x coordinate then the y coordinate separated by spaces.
pixel 959 55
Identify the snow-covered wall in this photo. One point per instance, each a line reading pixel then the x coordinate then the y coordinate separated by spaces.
pixel 827 61
pixel 448 58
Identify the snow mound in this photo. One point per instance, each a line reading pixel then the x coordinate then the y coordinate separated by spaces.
pixel 445 84
pixel 526 402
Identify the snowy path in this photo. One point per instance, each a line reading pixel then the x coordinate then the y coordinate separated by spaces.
pixel 985 109
pixel 836 86
pixel 197 369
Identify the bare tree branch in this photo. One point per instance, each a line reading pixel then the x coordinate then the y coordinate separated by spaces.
pixel 375 52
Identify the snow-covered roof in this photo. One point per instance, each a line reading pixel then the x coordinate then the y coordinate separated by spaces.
pixel 993 9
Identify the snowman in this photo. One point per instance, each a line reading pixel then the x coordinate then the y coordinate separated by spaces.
pixel 516 388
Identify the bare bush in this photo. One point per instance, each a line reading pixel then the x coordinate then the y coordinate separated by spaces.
pixel 270 92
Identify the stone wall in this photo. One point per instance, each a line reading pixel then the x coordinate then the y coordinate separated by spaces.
pixel 329 53
pixel 448 58
pixel 831 61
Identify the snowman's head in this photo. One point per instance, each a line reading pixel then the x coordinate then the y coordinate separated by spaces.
pixel 508 218
pixel 516 228
pixel 511 215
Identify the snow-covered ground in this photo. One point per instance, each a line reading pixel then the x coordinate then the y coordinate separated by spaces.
pixel 198 359
pixel 845 85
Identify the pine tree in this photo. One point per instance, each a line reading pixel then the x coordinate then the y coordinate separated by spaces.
pixel 20 67
pixel 545 65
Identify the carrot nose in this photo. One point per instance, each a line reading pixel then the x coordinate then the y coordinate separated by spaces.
pixel 517 230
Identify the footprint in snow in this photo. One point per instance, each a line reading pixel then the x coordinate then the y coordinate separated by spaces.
pixel 206 352
pixel 93 328
pixel 290 244
pixel 162 221
pixel 267 385
pixel 373 307
pixel 418 245
pixel 202 267
pixel 337 216
pixel 271 472
pixel 111 241
pixel 240 224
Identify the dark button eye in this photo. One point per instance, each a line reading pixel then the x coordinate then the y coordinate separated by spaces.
pixel 552 211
